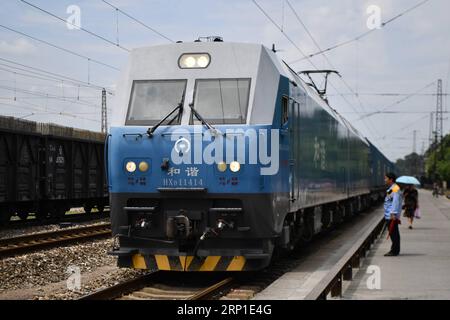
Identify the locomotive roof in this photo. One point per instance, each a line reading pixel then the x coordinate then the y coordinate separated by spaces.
pixel 228 60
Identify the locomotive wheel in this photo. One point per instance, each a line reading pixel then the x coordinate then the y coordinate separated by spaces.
pixel 101 208
pixel 4 218
pixel 88 209
pixel 22 215
pixel 327 214
pixel 338 216
pixel 307 232
pixel 348 211
pixel 58 212
pixel 41 215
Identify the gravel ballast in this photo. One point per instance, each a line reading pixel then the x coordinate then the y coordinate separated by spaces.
pixel 44 274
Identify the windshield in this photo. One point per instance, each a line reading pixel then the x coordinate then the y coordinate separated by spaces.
pixel 222 101
pixel 152 100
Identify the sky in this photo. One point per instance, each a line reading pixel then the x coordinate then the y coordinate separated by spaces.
pixel 392 69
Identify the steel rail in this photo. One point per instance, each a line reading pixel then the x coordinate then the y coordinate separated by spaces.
pixel 68 218
pixel 120 289
pixel 144 287
pixel 210 291
pixel 26 243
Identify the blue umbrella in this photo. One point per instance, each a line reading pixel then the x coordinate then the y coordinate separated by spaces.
pixel 408 180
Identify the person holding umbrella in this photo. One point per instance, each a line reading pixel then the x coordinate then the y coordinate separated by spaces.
pixel 392 211
pixel 411 197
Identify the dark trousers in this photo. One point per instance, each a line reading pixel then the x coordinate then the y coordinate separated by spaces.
pixel 395 236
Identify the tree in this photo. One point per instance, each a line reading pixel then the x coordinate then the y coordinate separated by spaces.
pixel 438 161
pixel 412 165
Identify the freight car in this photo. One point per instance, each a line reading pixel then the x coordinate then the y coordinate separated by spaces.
pixel 47 169
pixel 220 154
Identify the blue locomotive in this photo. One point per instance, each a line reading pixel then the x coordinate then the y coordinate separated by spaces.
pixel 219 154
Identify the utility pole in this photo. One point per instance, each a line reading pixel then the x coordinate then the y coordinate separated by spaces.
pixel 415 141
pixel 439 117
pixel 438 133
pixel 104 113
pixel 430 135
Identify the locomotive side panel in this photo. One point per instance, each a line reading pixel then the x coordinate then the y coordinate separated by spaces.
pixel 188 216
pixel 329 162
pixel 359 177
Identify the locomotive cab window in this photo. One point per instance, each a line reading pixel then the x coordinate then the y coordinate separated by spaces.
pixel 221 101
pixel 152 100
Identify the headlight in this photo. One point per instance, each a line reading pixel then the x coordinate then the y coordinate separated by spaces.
pixel 235 166
pixel 131 166
pixel 189 62
pixel 194 61
pixel 222 166
pixel 143 166
pixel 203 61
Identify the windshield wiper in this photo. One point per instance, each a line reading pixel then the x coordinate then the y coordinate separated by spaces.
pixel 152 129
pixel 179 107
pixel 202 120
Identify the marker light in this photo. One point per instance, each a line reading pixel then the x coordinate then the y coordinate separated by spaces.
pixel 222 166
pixel 194 61
pixel 235 166
pixel 143 166
pixel 131 166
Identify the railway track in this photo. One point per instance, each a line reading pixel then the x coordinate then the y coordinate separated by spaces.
pixel 161 285
pixel 27 243
pixel 244 286
pixel 69 218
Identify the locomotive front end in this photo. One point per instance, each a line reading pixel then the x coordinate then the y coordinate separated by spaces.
pixel 193 173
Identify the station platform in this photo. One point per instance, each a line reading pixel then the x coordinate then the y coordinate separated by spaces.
pixel 420 272
pixel 318 258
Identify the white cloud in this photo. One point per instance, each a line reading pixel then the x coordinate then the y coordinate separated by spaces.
pixel 33 17
pixel 404 56
pixel 19 46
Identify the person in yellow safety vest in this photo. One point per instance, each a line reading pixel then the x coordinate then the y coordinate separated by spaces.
pixel 392 211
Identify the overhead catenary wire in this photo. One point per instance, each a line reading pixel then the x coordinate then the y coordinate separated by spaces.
pixel 279 28
pixel 117 26
pixel 403 128
pixel 393 112
pixel 50 96
pixel 34 98
pixel 327 59
pixel 364 34
pixel 392 94
pixel 396 103
pixel 45 79
pixel 25 100
pixel 322 52
pixel 55 112
pixel 138 21
pixel 300 50
pixel 44 110
pixel 59 47
pixel 76 26
pixel 55 76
